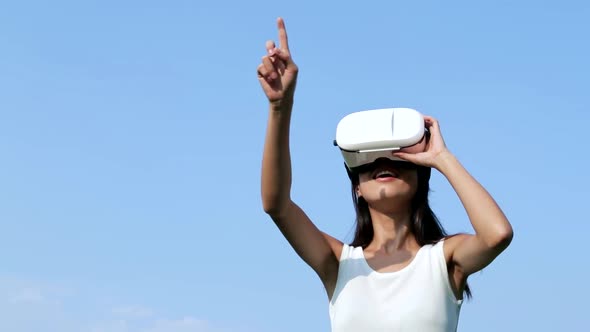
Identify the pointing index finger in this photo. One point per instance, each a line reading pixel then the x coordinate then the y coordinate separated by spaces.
pixel 283 40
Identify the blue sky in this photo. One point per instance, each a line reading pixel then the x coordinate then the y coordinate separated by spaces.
pixel 131 135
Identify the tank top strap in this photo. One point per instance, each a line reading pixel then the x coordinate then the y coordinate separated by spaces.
pixel 349 252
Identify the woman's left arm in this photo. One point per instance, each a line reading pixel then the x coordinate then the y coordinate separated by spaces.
pixel 493 232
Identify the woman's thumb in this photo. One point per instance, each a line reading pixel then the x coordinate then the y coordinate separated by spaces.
pixel 405 156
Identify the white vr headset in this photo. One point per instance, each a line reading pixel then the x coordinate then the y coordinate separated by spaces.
pixel 365 136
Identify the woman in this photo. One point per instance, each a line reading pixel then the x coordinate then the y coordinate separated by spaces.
pixel 400 273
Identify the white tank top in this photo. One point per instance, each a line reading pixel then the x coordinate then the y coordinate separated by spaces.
pixel 416 298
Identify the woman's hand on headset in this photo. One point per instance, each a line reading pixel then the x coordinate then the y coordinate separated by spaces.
pixel 435 150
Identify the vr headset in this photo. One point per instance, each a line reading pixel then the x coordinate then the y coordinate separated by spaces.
pixel 366 136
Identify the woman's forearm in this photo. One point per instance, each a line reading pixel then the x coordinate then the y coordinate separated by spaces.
pixel 276 160
pixel 488 220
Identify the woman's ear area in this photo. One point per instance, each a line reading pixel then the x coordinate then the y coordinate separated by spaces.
pixel 358 191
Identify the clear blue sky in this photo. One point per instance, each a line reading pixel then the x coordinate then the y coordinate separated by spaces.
pixel 131 135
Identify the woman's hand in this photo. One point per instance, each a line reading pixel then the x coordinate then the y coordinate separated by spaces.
pixel 278 73
pixel 435 150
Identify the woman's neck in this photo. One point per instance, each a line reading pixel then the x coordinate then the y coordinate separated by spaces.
pixel 392 232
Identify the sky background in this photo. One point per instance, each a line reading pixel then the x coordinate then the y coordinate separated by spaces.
pixel 131 137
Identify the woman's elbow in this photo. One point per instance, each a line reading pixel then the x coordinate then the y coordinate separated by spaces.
pixel 273 206
pixel 503 237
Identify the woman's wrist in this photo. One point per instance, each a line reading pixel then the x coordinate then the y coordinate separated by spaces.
pixel 444 161
pixel 281 105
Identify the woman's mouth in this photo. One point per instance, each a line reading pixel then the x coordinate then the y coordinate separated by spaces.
pixel 385 174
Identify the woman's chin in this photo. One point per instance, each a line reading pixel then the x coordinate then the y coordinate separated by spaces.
pixel 390 201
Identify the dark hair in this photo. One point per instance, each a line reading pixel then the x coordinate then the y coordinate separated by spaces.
pixel 425 225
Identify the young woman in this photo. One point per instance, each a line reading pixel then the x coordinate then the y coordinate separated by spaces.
pixel 401 272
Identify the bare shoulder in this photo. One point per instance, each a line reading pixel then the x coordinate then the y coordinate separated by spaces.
pixel 469 253
pixel 452 242
pixel 335 244
pixel 332 264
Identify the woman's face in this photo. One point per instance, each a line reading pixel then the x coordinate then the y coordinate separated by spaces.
pixel 393 183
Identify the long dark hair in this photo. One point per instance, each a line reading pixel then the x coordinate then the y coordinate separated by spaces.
pixel 424 224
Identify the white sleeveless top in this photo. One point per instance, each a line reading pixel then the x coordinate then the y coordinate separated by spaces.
pixel 417 298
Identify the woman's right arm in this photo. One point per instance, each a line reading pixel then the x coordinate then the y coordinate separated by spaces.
pixel 278 77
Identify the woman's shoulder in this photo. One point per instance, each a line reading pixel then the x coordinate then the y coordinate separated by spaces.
pixel 448 244
pixel 336 245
